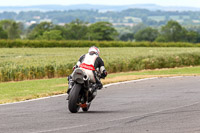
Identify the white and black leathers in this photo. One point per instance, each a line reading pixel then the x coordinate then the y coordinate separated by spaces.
pixel 92 59
pixel 94 62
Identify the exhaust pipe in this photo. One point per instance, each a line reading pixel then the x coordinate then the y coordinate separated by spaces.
pixel 86 81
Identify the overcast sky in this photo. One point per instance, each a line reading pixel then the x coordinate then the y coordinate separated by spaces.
pixel 193 3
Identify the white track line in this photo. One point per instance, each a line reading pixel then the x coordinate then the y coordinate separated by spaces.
pixel 42 98
pixel 132 81
pixel 176 77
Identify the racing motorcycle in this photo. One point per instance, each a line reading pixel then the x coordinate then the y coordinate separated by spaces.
pixel 82 92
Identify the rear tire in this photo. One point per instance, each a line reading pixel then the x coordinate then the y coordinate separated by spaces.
pixel 74 99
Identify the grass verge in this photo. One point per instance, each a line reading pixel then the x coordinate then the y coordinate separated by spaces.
pixel 25 90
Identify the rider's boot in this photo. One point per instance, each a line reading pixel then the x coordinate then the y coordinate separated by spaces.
pixel 99 85
pixel 94 89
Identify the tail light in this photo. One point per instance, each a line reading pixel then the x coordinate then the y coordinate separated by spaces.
pixel 79 73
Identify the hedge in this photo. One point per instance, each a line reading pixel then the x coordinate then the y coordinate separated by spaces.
pixel 81 43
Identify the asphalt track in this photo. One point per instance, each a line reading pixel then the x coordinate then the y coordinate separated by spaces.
pixel 162 105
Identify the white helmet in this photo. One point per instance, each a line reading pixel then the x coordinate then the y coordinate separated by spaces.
pixel 94 49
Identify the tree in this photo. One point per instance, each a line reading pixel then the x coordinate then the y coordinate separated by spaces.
pixel 173 32
pixel 11 28
pixel 102 31
pixel 13 31
pixel 148 34
pixel 193 36
pixel 3 34
pixel 138 27
pixel 39 30
pixel 76 30
pixel 161 39
pixel 52 35
pixel 64 31
pixel 127 37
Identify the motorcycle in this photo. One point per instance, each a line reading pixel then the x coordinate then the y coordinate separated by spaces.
pixel 82 92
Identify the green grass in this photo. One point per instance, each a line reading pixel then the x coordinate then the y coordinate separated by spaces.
pixel 34 62
pixel 17 91
pixel 173 71
pixel 43 56
pixel 18 64
pixel 24 90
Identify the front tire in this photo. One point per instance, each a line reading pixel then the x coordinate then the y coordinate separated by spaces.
pixel 74 99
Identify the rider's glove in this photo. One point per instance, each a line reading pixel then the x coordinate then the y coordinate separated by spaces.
pixel 76 66
pixel 104 74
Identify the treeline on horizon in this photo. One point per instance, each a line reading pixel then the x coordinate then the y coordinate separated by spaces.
pixel 99 31
pixel 151 18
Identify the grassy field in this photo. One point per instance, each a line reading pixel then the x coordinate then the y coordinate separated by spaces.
pixel 36 63
pixel 43 56
pixel 24 90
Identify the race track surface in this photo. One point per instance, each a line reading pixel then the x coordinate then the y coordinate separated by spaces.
pixel 162 105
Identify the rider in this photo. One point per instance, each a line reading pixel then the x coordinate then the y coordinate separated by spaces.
pixel 90 63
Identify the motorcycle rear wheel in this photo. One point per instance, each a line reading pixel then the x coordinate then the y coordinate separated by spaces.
pixel 74 99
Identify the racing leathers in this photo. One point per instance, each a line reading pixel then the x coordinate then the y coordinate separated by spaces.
pixel 91 64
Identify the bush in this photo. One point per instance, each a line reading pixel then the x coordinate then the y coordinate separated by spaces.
pixel 71 43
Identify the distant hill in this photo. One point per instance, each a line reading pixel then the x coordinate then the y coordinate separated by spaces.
pixel 152 15
pixel 102 8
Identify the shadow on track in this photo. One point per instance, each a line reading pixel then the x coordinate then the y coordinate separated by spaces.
pixel 98 112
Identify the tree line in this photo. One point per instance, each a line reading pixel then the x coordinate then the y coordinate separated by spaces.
pixel 171 32
pixel 151 18
pixel 76 30
pixel 100 31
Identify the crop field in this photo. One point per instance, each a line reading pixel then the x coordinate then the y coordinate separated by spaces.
pixel 36 63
